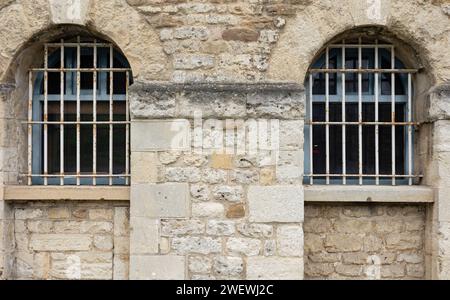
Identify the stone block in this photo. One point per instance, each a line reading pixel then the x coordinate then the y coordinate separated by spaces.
pixel 235 211
pixel 207 210
pixel 169 200
pixel 60 242
pixel 290 240
pixel 273 268
pixel 228 267
pixel 275 203
pixel 161 267
pixel 246 246
pixel 222 161
pixel 144 235
pixel 196 244
pixel 161 135
pixel 145 167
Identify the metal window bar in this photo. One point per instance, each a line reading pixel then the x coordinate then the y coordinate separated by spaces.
pixel 408 124
pixel 65 77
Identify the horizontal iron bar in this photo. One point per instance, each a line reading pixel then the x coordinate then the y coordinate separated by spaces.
pixel 81 69
pixel 74 44
pixel 363 123
pixel 75 122
pixel 361 46
pixel 363 71
pixel 76 176
pixel 361 175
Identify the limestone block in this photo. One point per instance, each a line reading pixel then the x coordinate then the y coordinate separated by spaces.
pixel 199 264
pixel 275 203
pixel 60 242
pixel 222 161
pixel 273 268
pixel 195 244
pixel 121 267
pixel 207 210
pixel 220 227
pixel 170 200
pixel 255 230
pixel 290 240
pixel 160 135
pixel 246 246
pixel 291 135
pixel 144 235
pixel 69 11
pixel 161 267
pixel 226 267
pixel 228 193
pixel 145 167
pixel 121 221
pixel 181 227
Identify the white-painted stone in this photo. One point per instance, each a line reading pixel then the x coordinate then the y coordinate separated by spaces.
pixel 275 203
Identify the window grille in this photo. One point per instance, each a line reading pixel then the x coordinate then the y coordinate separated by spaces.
pixel 78 117
pixel 359 126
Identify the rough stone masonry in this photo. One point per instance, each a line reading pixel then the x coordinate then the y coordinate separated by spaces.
pixel 199 205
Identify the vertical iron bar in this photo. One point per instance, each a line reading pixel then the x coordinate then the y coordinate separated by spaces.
pixel 30 126
pixel 360 112
pixel 409 129
pixel 393 113
pixel 45 114
pixel 94 117
pixel 61 118
pixel 344 150
pixel 110 114
pixel 78 109
pixel 311 143
pixel 327 116
pixel 127 130
pixel 377 150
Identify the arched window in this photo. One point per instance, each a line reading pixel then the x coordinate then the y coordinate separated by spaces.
pixel 359 126
pixel 78 120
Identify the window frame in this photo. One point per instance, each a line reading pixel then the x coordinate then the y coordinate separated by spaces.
pixel 36 175
pixel 319 63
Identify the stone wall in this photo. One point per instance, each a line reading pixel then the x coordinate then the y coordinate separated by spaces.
pixel 364 241
pixel 70 240
pixel 201 197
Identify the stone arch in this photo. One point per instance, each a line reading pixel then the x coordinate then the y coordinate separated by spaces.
pixel 320 22
pixel 30 23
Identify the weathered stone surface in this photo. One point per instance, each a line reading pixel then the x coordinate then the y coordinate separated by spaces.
pixel 145 166
pixel 226 267
pixel 220 227
pixel 199 264
pixel 274 267
pixel 207 210
pixel 290 240
pixel 240 34
pixel 255 230
pixel 246 246
pixel 160 200
pixel 235 211
pixel 164 267
pixel 200 245
pixel 144 235
pixel 228 193
pixel 275 203
pixel 60 242
pixel 181 227
pixel 200 192
pixel 160 135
